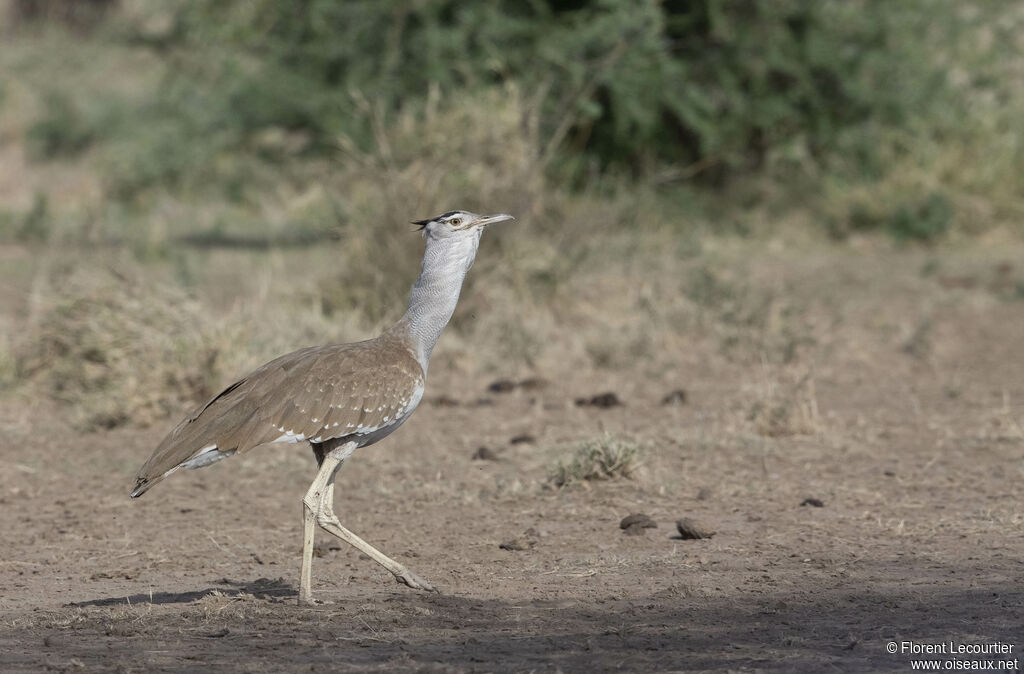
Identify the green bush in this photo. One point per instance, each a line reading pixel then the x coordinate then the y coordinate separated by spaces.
pixel 839 103
pixel 62 131
pixel 910 219
pixel 925 220
pixel 715 88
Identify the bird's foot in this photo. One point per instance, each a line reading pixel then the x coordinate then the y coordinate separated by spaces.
pixel 310 601
pixel 407 577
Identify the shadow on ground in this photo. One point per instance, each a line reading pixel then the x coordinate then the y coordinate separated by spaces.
pixel 248 626
pixel 261 588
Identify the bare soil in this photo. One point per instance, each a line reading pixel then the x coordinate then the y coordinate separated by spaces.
pixel 892 393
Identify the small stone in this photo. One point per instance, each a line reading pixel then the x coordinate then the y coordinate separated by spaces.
pixel 602 400
pixel 524 541
pixel 485 454
pixel 502 386
pixel 691 529
pixel 521 439
pixel 703 494
pixel 636 524
pixel 446 401
pixel 813 502
pixel 637 520
pixel 676 397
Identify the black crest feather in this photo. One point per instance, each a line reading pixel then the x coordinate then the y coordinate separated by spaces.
pixel 423 223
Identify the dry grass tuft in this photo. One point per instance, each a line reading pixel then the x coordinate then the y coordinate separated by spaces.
pixel 118 349
pixel 602 458
pixel 788 409
pixel 118 343
pixel 218 607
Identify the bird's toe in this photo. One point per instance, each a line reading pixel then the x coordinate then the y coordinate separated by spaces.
pixel 409 578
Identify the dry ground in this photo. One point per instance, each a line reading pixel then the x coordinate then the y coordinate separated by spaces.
pixel 886 383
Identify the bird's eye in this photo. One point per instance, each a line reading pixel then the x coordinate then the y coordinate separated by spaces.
pixel 455 222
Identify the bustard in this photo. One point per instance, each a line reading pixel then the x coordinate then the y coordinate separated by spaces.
pixel 337 398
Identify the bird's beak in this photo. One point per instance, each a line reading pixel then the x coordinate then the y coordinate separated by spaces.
pixel 491 219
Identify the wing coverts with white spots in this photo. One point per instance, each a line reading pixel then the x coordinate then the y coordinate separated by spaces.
pixel 360 392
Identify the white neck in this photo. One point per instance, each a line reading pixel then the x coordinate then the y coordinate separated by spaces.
pixel 436 292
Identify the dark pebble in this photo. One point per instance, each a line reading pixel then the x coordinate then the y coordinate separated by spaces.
pixel 524 541
pixel 637 520
pixel 485 454
pixel 603 400
pixel 677 397
pixel 691 529
pixel 502 386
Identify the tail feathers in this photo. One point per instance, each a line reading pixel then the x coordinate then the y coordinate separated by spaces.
pixel 193 443
pixel 140 488
pixel 143 484
pixel 153 471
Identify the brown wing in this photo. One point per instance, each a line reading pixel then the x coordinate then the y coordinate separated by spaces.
pixel 316 394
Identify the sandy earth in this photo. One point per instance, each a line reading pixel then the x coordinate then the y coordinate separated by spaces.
pixel 903 418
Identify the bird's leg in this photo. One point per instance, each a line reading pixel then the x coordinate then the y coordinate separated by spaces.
pixel 310 503
pixel 308 534
pixel 329 522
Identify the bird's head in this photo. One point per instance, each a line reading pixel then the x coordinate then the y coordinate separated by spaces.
pixel 458 224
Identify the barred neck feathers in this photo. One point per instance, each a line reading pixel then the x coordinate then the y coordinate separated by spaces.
pixel 436 292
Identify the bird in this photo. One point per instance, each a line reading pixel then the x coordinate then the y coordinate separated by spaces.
pixel 336 398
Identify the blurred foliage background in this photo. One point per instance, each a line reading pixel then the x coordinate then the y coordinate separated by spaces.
pixel 900 116
pixel 302 135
